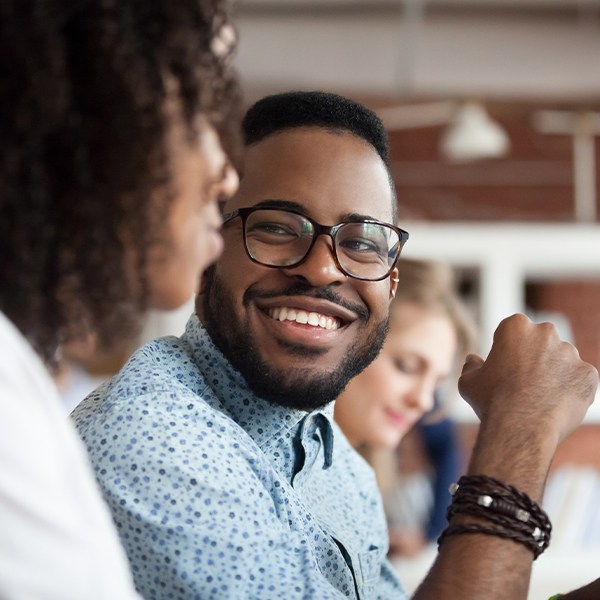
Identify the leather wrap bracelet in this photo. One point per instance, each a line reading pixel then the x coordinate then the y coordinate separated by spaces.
pixel 510 513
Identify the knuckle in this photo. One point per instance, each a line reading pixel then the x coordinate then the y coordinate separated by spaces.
pixel 569 349
pixel 548 329
pixel 591 371
pixel 517 318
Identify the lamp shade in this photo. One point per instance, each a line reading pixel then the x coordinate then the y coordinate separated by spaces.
pixel 473 136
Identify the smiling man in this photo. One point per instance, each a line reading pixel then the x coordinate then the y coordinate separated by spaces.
pixel 217 451
pixel 309 310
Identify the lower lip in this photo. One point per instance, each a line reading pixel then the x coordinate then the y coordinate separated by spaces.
pixel 216 244
pixel 398 420
pixel 301 333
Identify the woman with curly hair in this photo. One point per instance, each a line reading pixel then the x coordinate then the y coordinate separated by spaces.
pixel 111 166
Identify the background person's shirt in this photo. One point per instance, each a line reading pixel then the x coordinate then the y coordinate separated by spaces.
pixel 57 538
pixel 219 494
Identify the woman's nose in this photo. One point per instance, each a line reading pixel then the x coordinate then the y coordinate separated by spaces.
pixel 228 186
pixel 421 395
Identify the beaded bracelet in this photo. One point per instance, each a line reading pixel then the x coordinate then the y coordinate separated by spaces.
pixel 511 513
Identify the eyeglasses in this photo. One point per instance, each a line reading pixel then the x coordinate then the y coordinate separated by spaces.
pixel 281 238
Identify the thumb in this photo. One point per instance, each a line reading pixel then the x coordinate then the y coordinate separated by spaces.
pixel 467 382
pixel 472 362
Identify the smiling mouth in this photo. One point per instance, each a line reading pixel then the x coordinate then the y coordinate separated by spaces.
pixel 314 319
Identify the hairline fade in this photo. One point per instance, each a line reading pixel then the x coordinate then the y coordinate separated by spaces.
pixel 334 113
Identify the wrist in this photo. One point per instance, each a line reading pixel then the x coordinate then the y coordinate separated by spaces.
pixel 511 452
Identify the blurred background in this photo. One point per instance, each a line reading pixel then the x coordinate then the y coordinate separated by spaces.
pixel 493 111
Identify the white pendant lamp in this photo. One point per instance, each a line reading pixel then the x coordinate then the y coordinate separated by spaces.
pixel 473 135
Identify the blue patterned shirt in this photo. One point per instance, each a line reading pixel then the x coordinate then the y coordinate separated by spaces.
pixel 219 494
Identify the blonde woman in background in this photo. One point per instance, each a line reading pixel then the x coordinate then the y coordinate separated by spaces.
pixel 430 333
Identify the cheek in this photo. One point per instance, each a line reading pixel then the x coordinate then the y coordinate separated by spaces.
pixel 375 384
pixel 175 279
pixel 376 295
pixel 190 248
pixel 234 274
pixel 197 243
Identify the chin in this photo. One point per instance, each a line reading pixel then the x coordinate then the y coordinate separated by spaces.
pixel 171 299
pixel 389 441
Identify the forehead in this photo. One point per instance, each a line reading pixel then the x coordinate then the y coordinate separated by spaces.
pixel 429 333
pixel 330 174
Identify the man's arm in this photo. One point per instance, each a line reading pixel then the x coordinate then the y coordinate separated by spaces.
pixel 589 592
pixel 530 393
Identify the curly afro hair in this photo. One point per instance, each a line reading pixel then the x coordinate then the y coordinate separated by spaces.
pixel 84 163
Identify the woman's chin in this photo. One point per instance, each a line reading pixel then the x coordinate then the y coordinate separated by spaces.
pixel 388 440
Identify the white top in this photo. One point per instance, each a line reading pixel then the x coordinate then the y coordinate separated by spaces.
pixel 57 538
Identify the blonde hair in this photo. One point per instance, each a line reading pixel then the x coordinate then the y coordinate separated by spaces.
pixel 432 285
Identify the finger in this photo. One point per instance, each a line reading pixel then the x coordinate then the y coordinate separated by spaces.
pixel 472 362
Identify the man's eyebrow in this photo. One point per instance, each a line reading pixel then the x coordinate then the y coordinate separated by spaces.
pixel 300 208
pixel 354 217
pixel 285 204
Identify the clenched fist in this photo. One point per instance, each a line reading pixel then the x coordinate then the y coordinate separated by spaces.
pixel 531 382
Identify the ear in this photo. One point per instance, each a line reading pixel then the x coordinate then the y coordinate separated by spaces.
pixel 393 283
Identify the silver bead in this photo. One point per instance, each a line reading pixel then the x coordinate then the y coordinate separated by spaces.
pixel 453 488
pixel 485 501
pixel 522 515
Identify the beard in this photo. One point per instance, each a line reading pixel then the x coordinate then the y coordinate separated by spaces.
pixel 304 388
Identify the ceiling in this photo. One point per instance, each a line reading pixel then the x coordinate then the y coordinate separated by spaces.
pixel 388 51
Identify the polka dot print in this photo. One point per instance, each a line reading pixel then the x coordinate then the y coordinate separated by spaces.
pixel 218 494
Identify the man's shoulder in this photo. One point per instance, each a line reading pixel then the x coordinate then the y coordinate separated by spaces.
pixel 162 363
pixel 160 375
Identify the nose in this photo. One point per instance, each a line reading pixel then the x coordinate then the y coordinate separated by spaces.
pixel 212 214
pixel 230 182
pixel 320 268
pixel 421 395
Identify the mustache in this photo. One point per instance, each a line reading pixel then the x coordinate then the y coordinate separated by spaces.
pixel 300 289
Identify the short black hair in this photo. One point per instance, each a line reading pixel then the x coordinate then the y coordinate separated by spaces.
pixel 84 155
pixel 314 109
pixel 279 112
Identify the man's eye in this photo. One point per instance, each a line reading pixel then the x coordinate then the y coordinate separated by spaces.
pixel 273 228
pixel 269 232
pixel 360 245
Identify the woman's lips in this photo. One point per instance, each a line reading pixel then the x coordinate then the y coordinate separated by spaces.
pixel 215 244
pixel 398 419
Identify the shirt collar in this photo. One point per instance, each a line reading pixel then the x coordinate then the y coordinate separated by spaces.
pixel 262 420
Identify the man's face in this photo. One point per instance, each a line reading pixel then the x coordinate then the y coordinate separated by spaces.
pixel 246 307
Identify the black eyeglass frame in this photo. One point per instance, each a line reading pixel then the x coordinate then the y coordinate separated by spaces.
pixel 330 230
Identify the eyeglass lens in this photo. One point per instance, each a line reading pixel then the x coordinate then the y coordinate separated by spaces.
pixel 280 238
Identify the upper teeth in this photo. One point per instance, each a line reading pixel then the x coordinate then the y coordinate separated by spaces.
pixel 301 316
